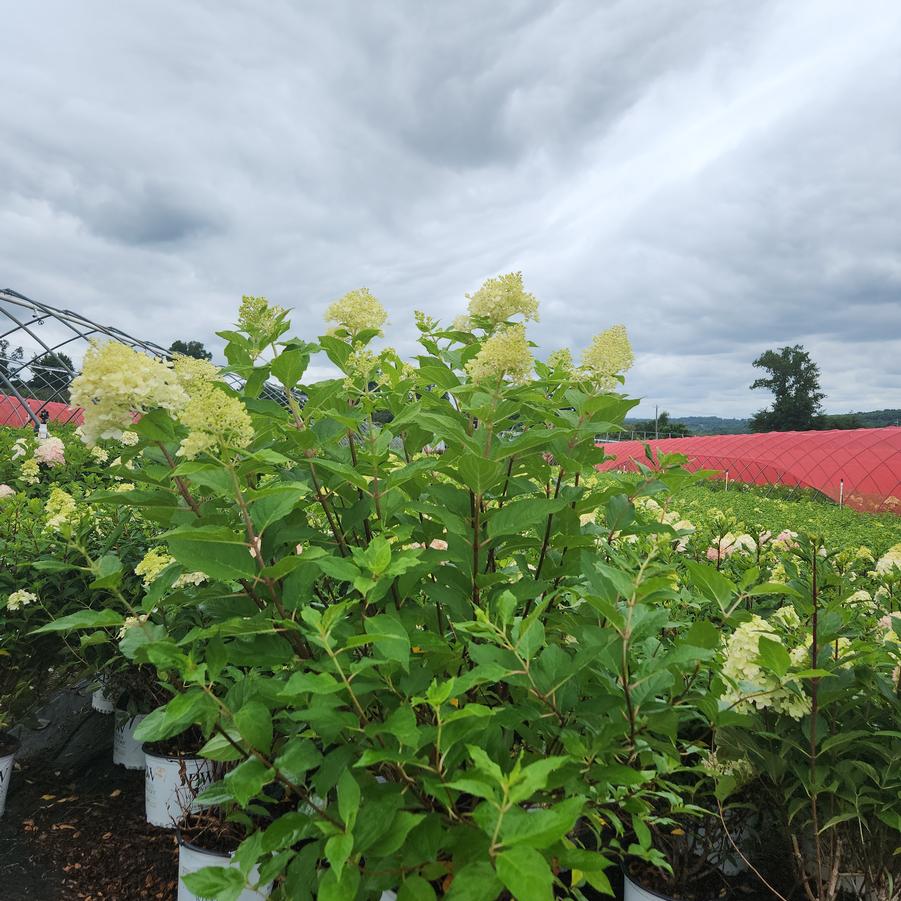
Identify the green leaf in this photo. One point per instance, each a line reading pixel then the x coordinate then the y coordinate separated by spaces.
pixel 254 723
pixel 396 835
pixel 541 828
pixel 401 723
pixel 526 874
pixel 415 888
pixel 348 799
pixel 378 555
pixel 767 588
pixel 52 566
pixel 773 656
pixel 338 568
pixel 289 366
pixel 287 830
pixel 703 634
pixel 476 881
pixel 331 888
pixel 299 757
pixel 157 425
pixel 534 778
pixel 712 584
pixel 642 832
pixel 275 504
pixel 183 710
pixel 315 683
pixel 390 637
pixel 479 474
pixel 107 571
pixel 220 748
pixel 247 779
pixel 473 787
pixel 221 883
pixel 337 850
pixel 515 517
pixel 485 764
pixel 83 619
pixel 215 550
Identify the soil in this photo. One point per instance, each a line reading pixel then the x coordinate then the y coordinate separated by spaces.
pixel 208 832
pixel 83 837
pixel 182 745
pixel 8 744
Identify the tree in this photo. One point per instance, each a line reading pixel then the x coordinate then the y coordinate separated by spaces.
pixel 10 359
pixel 190 349
pixel 794 380
pixel 51 376
pixel 665 427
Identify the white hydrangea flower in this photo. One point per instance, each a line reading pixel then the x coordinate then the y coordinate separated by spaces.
pixel 30 472
pixel 20 598
pixel 132 622
pixel 61 510
pixel 153 564
pixel 117 382
pixel 186 579
pixel 890 560
pixel 752 687
pixel 787 617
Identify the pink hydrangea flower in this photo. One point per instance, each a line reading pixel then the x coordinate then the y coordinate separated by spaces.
pixel 6 491
pixel 51 452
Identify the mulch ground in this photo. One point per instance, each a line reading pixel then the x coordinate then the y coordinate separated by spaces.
pixel 83 837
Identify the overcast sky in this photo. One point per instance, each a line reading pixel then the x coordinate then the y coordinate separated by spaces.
pixel 721 177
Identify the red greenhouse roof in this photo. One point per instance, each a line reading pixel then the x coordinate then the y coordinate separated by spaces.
pixel 865 464
pixel 13 414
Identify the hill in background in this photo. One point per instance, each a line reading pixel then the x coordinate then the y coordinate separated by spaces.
pixel 718 425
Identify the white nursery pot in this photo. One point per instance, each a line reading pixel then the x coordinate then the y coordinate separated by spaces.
pixel 6 773
pixel 191 859
pixel 126 751
pixel 170 785
pixel 101 702
pixel 632 891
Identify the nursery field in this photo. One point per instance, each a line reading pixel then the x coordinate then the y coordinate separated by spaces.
pixel 281 646
pixel 756 507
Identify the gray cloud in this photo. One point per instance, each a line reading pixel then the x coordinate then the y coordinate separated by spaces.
pixel 720 177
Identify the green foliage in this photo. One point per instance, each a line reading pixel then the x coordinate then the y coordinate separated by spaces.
pixel 794 380
pixel 665 426
pixel 194 349
pixel 471 673
pixel 758 509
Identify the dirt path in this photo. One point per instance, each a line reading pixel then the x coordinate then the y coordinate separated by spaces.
pixel 82 837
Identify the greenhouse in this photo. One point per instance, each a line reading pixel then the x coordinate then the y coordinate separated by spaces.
pixel 857 467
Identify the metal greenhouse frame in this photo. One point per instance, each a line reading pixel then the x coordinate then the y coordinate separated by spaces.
pixel 49 376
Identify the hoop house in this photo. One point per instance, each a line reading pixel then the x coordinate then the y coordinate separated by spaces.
pixel 861 467
pixel 40 347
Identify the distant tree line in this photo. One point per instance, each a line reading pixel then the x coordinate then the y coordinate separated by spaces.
pixel 50 373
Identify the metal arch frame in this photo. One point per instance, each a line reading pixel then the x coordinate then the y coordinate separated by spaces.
pixel 24 314
pixel 82 329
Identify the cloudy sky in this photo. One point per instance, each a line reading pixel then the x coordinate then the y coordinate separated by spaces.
pixel 722 177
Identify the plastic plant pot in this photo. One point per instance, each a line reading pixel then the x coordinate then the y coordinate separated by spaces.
pixel 101 701
pixel 127 751
pixel 192 858
pixel 171 782
pixel 9 746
